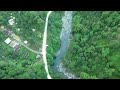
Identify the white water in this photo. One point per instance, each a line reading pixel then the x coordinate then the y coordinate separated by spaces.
pixel 65 72
pixel 64 36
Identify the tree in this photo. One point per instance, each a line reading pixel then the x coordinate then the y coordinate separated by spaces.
pixel 84 75
pixel 105 51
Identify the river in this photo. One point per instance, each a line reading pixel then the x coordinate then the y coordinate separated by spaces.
pixel 65 40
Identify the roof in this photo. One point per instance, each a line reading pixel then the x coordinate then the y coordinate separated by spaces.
pixel 8 32
pixel 25 42
pixel 13 44
pixel 7 41
pixel 16 48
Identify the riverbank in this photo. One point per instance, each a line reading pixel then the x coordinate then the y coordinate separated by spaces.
pixel 64 36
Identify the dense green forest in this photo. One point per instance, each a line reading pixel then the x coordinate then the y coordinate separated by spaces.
pixel 23 63
pixel 94 49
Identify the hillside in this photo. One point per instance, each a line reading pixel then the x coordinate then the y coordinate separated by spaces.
pixel 93 50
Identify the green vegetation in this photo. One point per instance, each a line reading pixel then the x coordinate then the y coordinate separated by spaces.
pixel 23 63
pixel 94 50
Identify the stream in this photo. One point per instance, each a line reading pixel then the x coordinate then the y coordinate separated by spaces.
pixel 65 40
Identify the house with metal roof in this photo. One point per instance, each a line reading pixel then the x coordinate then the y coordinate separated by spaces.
pixel 13 44
pixel 8 41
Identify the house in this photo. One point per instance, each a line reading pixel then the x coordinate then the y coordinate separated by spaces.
pixel 8 41
pixel 17 47
pixel 25 42
pixel 13 44
pixel 15 37
pixel 8 31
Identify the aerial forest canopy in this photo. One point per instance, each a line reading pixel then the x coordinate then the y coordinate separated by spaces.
pixel 93 53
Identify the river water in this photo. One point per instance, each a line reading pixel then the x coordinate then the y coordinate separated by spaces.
pixel 65 40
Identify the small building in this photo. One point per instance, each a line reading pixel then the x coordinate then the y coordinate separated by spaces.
pixel 25 42
pixel 15 37
pixel 13 44
pixel 17 47
pixel 8 31
pixel 39 56
pixel 8 41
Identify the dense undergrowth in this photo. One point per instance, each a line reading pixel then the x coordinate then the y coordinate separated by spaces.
pixel 94 50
